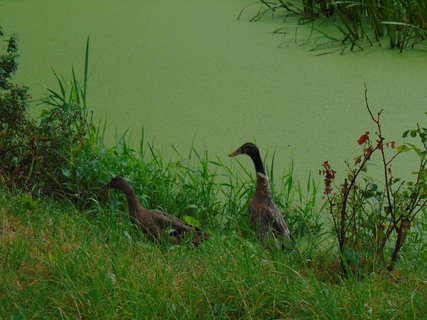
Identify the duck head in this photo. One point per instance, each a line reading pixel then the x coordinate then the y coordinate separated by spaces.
pixel 248 148
pixel 252 151
pixel 118 182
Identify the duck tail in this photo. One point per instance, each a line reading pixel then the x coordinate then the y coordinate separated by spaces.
pixel 200 236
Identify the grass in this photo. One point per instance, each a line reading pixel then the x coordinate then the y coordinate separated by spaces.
pixel 60 262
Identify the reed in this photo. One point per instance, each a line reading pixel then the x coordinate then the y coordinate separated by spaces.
pixel 402 23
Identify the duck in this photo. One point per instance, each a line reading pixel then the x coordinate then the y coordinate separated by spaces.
pixel 156 223
pixel 264 215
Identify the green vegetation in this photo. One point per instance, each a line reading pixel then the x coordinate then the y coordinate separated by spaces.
pixel 69 251
pixel 402 22
pixel 35 154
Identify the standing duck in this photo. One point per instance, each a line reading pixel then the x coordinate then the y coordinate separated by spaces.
pixel 155 222
pixel 264 215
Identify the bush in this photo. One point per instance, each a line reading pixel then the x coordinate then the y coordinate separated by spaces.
pixel 34 153
pixel 367 218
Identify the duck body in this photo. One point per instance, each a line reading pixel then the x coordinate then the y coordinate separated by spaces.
pixel 264 216
pixel 155 223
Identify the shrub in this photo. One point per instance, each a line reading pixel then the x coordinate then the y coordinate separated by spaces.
pixel 366 217
pixel 34 153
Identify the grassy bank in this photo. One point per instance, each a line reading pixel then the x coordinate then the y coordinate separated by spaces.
pixel 60 262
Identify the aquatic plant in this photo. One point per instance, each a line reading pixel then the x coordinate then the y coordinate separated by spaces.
pixel 403 22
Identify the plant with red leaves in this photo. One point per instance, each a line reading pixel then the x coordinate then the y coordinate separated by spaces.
pixel 364 138
pixel 364 216
pixel 329 175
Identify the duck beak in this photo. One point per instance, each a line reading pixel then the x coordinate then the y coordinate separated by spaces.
pixel 235 153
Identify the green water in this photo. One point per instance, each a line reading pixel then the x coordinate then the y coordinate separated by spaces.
pixel 190 72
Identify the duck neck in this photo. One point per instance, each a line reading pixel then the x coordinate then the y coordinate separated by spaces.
pixel 256 158
pixel 133 205
pixel 133 202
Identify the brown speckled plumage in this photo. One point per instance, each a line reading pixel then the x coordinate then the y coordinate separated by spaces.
pixel 264 215
pixel 155 222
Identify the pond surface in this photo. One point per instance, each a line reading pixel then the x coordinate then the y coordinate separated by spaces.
pixel 191 73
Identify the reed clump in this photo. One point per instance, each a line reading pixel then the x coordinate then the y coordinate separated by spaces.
pixel 403 23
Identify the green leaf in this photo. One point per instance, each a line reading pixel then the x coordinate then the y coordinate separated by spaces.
pixel 367 194
pixel 192 221
pixel 415 148
pixel 402 148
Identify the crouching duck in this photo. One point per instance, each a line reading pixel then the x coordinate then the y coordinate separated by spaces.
pixel 264 215
pixel 155 222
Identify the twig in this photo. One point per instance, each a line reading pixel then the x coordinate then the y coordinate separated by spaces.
pixel 380 143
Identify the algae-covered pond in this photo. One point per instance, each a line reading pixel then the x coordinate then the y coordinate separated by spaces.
pixel 191 73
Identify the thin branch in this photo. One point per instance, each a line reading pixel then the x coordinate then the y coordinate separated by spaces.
pixel 380 143
pixel 392 158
